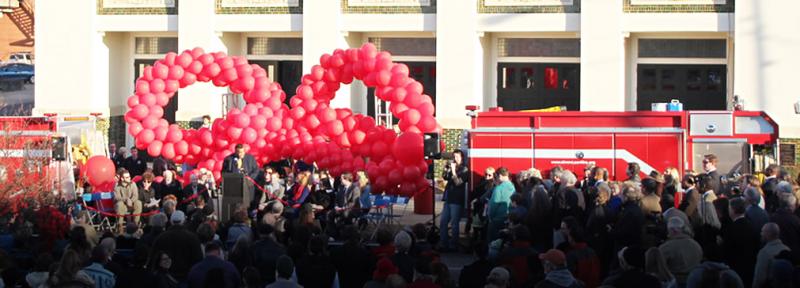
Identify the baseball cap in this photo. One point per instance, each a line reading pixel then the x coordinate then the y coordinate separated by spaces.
pixel 554 256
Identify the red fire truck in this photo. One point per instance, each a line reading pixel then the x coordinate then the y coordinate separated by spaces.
pixel 654 140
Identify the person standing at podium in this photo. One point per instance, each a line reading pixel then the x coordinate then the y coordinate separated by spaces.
pixel 241 163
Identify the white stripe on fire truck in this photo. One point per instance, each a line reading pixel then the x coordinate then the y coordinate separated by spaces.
pixel 561 154
pixel 17 153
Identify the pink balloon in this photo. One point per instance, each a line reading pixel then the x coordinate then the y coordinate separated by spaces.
pixel 249 135
pixel 182 148
pixel 174 135
pixel 140 111
pixel 168 151
pixel 154 149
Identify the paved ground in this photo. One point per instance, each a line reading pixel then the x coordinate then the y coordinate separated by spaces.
pixel 17 103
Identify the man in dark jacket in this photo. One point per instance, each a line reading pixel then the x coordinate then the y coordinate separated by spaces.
pixel 631 260
pixel 181 245
pixel 629 227
pixel 556 272
pixel 787 220
pixel 754 213
pixel 135 164
pixel 769 187
pixel 265 253
pixel 740 241
pixel 456 173
pixel 352 260
pixel 210 267
pixel 710 166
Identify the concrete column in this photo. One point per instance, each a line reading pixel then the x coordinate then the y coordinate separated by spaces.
pixel 602 56
pixel 322 34
pixel 459 62
pixel 70 83
pixel 765 60
pixel 196 29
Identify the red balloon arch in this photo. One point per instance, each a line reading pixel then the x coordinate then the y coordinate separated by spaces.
pixel 309 129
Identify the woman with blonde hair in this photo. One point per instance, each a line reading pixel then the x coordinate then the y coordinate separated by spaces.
pixel 366 190
pixel 654 264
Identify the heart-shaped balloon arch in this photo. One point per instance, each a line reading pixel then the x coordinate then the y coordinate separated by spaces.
pixel 310 130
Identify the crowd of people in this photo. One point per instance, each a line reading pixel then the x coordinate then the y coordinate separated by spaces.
pixel 305 228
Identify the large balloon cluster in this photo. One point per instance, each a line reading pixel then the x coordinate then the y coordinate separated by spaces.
pixel 308 129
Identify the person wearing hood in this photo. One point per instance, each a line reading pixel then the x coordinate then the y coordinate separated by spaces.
pixel 556 273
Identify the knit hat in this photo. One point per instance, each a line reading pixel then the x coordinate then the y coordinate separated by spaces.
pixel 178 217
pixel 383 269
pixel 554 256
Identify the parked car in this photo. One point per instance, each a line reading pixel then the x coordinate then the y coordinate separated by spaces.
pixel 21 57
pixel 17 71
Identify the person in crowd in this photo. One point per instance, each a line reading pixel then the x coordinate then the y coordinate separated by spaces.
pixel 298 193
pixel 366 190
pixel 239 229
pixel 182 245
pixel 474 274
pixel 704 219
pixel 69 272
pixel 783 274
pixel 770 235
pixel 316 269
pixel 384 269
pixel 498 277
pixel 351 259
pixel 347 196
pixel 159 265
pixel 385 241
pixel 160 165
pixel 517 255
pixel 554 263
pixel 192 191
pixel 126 199
pixel 169 186
pixel 442 275
pixel 680 251
pixel 130 238
pixel 539 219
pixel 651 203
pixel 457 174
pixel 284 268
pixel 739 236
pixel 401 258
pixel 120 158
pixel 710 162
pixel 582 260
pixel 554 183
pixel 632 274
pixel 628 229
pixel 241 255
pixel 769 187
pixel 633 172
pixel 112 151
pixel 147 192
pixel 599 219
pixel 266 252
pixel 784 216
pixel 102 278
pixel 41 271
pixel 135 274
pixel 568 201
pixel 135 164
pixel 423 274
pixel 672 185
pixel 79 243
pixel 499 203
pixel 713 274
pixel 156 226
pixel 201 271
pixel 83 220
pixel 273 216
pixel 654 264
pixel 240 162
pixel 250 277
pixel 755 214
pixel 206 122
pixel 271 181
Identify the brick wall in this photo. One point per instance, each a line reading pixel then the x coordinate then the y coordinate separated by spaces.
pixel 136 11
pixel 793 169
pixel 189 124
pixel 574 8
pixel 258 10
pixel 728 7
pixel 346 8
pixel 451 138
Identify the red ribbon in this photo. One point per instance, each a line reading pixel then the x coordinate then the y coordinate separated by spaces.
pixel 265 191
pixel 151 213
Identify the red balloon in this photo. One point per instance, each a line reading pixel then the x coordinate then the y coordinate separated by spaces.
pixel 154 149
pixel 168 151
pixel 408 148
pixel 100 169
pixel 411 173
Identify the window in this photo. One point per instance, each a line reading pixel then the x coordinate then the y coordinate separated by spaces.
pixel 156 45
pixel 399 46
pixel 274 46
pixel 539 47
pixel 682 48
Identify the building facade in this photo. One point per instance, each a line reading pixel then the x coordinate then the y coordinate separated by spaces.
pixel 588 55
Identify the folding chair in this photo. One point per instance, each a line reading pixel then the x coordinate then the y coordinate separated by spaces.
pixel 400 201
pixel 378 213
pixel 105 203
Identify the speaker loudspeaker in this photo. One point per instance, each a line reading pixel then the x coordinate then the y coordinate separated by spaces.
pixel 432 145
pixel 59 148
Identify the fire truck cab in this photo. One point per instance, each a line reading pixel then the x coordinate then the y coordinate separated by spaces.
pixel 654 140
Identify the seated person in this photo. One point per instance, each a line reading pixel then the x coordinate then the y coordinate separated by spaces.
pixel 126 198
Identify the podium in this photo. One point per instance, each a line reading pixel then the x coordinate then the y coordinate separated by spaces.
pixel 236 192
